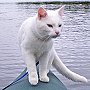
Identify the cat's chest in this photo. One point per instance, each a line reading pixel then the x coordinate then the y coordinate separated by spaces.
pixel 38 48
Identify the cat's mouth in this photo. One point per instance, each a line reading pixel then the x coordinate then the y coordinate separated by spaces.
pixel 54 36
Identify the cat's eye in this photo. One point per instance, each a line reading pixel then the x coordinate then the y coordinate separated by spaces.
pixel 60 25
pixel 49 25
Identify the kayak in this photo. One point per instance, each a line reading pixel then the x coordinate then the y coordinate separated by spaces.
pixel 23 83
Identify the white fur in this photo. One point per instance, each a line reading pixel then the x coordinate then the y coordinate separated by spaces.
pixel 36 45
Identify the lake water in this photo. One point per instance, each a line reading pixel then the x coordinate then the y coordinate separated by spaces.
pixel 73 46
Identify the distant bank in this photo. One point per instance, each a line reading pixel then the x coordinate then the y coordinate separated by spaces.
pixel 39 1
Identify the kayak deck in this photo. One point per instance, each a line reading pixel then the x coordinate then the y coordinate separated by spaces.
pixel 23 84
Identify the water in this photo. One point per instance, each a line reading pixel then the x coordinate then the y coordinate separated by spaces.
pixel 73 46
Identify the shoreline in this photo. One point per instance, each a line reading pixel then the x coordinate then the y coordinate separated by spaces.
pixel 49 2
pixel 57 2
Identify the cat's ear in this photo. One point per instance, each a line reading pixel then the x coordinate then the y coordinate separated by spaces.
pixel 42 13
pixel 61 10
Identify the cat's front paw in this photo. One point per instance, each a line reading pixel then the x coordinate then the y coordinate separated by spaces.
pixel 44 79
pixel 33 79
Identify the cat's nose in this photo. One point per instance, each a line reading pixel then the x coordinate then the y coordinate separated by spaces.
pixel 57 32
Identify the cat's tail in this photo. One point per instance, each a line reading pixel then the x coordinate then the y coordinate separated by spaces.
pixel 61 68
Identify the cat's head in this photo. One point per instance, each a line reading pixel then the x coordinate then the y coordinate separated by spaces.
pixel 49 23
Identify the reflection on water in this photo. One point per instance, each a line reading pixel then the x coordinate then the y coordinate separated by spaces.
pixel 73 46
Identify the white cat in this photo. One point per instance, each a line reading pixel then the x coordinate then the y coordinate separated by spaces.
pixel 36 44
